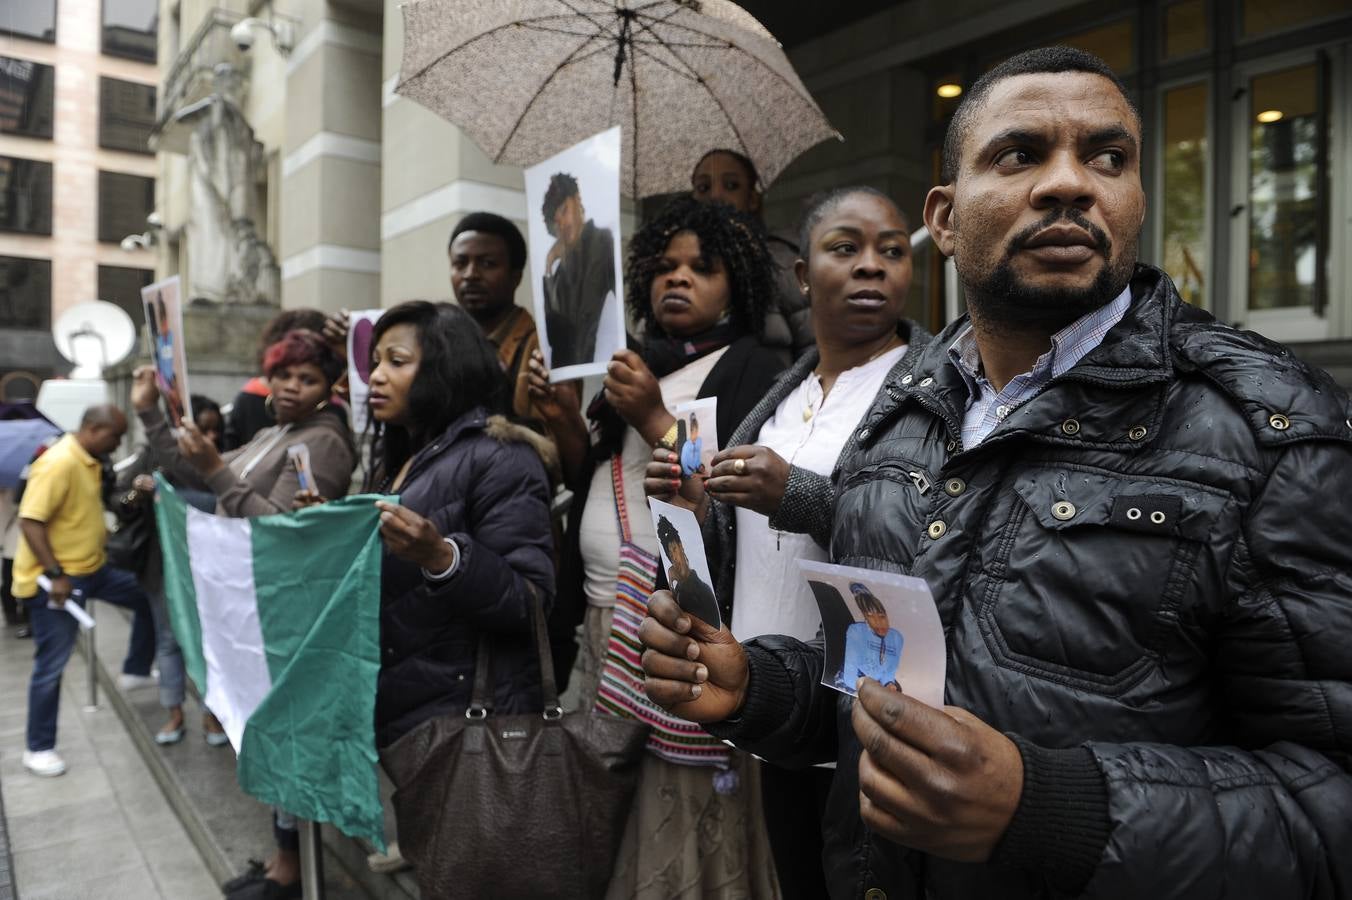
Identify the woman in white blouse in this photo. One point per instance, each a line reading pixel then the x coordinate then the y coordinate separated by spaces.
pixel 767 501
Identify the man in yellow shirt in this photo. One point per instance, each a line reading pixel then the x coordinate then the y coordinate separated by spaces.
pixel 61 537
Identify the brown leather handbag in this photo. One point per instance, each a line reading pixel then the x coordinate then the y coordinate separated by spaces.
pixel 528 805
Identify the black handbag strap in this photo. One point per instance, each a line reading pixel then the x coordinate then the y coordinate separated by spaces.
pixel 481 699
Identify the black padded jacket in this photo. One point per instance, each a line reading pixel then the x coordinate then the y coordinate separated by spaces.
pixel 482 483
pixel 1145 578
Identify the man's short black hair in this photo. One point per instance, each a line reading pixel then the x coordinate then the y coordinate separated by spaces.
pixel 492 223
pixel 667 533
pixel 561 187
pixel 1041 60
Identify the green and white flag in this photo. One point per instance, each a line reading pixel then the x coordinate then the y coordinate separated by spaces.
pixel 279 621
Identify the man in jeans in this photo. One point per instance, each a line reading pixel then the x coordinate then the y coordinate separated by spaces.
pixel 62 536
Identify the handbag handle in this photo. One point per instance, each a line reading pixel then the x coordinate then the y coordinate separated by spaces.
pixel 481 700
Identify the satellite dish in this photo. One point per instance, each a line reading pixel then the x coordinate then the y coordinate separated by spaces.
pixel 94 335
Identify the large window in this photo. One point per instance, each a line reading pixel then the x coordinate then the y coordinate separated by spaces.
pixel 1186 175
pixel 124 203
pixel 130 28
pixel 1284 182
pixel 26 97
pixel 25 293
pixel 122 285
pixel 33 19
pixel 25 195
pixel 1185 29
pixel 126 115
pixel 1267 16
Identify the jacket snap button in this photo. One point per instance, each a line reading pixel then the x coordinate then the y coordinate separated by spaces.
pixel 906 379
pixel 863 434
pixel 1071 426
pixel 1157 517
pixel 1133 514
pixel 1138 433
pixel 1279 421
pixel 875 894
pixel 954 486
pixel 1064 510
pixel 926 382
pixel 937 529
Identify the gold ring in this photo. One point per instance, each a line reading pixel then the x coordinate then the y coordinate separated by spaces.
pixel 739 467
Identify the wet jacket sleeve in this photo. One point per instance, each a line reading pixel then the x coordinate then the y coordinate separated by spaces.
pixel 1268 813
pixel 504 540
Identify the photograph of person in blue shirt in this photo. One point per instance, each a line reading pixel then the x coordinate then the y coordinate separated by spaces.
pixel 690 452
pixel 872 647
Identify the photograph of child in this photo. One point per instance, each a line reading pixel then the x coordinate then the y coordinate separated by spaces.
pixel 684 562
pixel 696 435
pixel 574 250
pixel 872 647
pixel 878 625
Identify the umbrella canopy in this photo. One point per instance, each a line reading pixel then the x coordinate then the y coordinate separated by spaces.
pixel 18 439
pixel 528 78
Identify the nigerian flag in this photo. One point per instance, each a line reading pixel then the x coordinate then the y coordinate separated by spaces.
pixel 279 620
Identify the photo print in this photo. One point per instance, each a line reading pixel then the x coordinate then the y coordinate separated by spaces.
pixel 164 328
pixel 573 209
pixel 360 324
pixel 684 562
pixel 878 625
pixel 696 436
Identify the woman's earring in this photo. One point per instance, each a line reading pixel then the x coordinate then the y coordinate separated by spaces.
pixel 804 288
pixel 267 405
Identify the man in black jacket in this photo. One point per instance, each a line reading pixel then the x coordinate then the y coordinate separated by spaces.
pixel 579 276
pixel 1134 522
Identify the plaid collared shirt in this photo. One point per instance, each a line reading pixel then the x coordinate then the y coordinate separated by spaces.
pixel 986 408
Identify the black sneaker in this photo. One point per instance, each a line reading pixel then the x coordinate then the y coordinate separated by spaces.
pixel 253 875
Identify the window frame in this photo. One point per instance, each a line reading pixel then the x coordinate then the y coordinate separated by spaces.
pixel 25 36
pixel 1292 324
pixel 104 80
pixel 1156 187
pixel 45 321
pixel 99 222
pixel 51 131
pixel 51 198
pixel 103 39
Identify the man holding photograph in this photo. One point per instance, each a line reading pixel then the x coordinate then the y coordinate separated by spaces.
pixel 579 274
pixel 1122 509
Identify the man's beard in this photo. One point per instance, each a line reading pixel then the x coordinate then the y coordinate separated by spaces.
pixel 1000 300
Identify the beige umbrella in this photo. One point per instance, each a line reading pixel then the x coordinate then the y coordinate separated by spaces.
pixel 528 78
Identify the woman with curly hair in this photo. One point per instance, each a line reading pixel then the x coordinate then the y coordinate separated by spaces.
pixel 697 282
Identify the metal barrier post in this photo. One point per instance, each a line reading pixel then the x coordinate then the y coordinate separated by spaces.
pixel 311 860
pixel 91 662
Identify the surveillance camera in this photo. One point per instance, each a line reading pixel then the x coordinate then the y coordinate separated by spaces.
pixel 130 243
pixel 155 220
pixel 242 35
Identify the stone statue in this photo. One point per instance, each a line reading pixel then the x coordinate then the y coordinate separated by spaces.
pixel 227 261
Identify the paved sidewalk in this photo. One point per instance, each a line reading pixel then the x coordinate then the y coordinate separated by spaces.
pixel 103 830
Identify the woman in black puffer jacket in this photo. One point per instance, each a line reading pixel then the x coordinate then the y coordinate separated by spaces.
pixel 469 540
